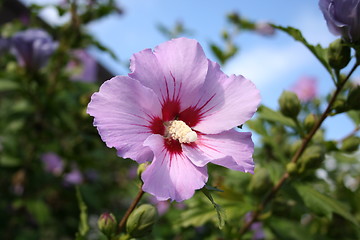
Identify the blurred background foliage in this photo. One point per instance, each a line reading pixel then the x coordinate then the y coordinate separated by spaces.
pixel 57 176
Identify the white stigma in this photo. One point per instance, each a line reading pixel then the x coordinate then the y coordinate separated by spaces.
pixel 178 130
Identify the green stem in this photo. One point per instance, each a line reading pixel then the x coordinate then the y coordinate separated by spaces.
pixel 130 209
pixel 297 155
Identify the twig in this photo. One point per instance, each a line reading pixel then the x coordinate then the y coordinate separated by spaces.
pixel 297 155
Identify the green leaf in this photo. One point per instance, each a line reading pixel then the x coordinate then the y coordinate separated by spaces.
pixel 322 204
pixel 344 158
pixel 9 161
pixel 219 211
pixel 289 230
pixel 273 116
pixel 220 55
pixel 39 210
pixel 319 52
pixel 83 224
pixel 355 116
pixel 211 188
pixel 7 85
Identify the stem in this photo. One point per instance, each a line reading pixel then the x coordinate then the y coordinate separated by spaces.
pixel 297 155
pixel 130 209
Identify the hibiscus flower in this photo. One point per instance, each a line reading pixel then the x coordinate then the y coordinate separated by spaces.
pixel 178 110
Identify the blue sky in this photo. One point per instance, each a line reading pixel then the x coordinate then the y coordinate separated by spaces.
pixel 274 63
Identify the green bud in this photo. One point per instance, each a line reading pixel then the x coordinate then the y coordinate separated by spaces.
pixel 353 100
pixel 141 221
pixel 107 224
pixel 289 104
pixel 292 168
pixel 311 158
pixel 309 122
pixel 259 181
pixel 338 54
pixel 141 168
pixel 350 144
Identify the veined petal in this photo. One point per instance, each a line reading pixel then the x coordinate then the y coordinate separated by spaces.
pixel 225 102
pixel 171 175
pixel 175 70
pixel 123 110
pixel 230 149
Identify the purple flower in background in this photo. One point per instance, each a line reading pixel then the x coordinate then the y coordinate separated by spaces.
pixel 33 48
pixel 4 45
pixel 305 88
pixel 74 177
pixel 178 110
pixel 83 66
pixel 342 17
pixel 161 206
pixel 52 163
pixel 256 228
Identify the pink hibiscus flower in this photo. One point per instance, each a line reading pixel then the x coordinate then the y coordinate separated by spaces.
pixel 178 110
pixel 305 88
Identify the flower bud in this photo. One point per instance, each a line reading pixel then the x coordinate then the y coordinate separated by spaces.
pixel 309 122
pixel 292 168
pixel 107 224
pixel 311 158
pixel 350 144
pixel 289 104
pixel 338 54
pixel 141 169
pixel 141 221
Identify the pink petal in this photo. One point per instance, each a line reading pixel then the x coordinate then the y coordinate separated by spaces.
pixel 122 111
pixel 225 102
pixel 230 149
pixel 171 176
pixel 175 70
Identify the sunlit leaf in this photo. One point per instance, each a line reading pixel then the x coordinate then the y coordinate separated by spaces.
pixel 273 116
pixel 322 204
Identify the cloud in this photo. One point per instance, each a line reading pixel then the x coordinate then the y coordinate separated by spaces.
pixel 269 64
pixel 51 15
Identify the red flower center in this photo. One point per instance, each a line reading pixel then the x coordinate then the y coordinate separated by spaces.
pixel 170 112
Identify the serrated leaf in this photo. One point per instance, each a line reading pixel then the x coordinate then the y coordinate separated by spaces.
pixel 273 116
pixel 83 224
pixel 219 211
pixel 322 204
pixel 319 52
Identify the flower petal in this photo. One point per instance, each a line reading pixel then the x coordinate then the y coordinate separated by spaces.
pixel 123 110
pixel 175 70
pixel 171 176
pixel 225 102
pixel 231 149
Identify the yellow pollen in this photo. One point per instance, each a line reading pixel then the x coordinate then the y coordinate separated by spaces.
pixel 178 130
